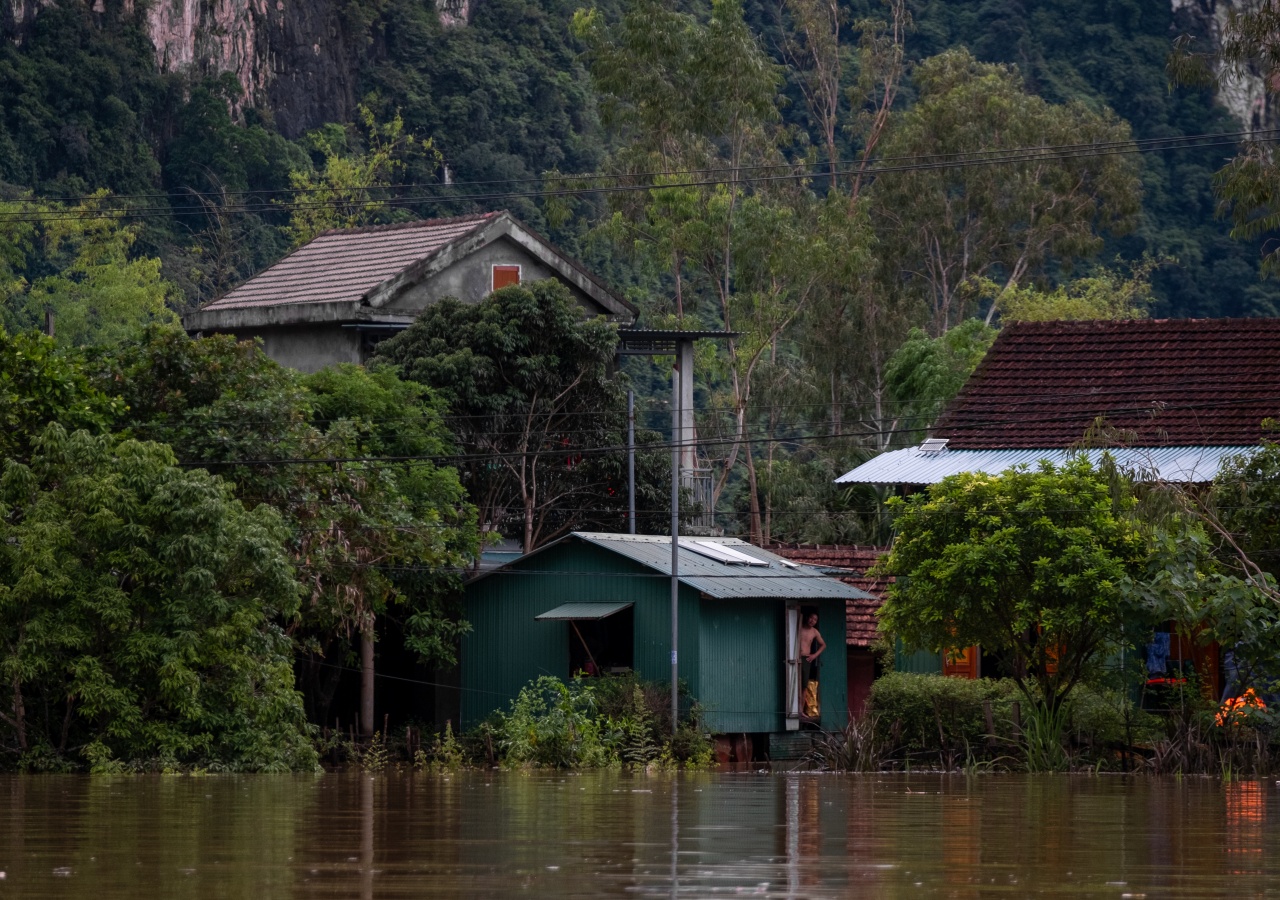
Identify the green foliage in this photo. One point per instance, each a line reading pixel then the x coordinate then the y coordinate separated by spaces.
pixel 40 385
pixel 1037 564
pixel 77 262
pixel 349 190
pixel 1104 295
pixel 366 537
pixel 933 717
pixel 942 227
pixel 925 373
pixel 593 724
pixel 138 615
pixel 528 382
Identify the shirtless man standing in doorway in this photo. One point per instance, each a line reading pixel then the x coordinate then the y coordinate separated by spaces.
pixel 811 647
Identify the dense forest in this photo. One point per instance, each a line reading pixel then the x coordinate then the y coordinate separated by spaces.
pixel 133 187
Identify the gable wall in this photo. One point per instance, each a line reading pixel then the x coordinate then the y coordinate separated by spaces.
pixel 469 279
pixel 506 648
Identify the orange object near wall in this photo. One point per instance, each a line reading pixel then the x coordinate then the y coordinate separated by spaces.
pixel 961 663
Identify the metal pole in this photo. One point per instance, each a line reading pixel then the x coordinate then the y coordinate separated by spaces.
pixel 676 377
pixel 631 462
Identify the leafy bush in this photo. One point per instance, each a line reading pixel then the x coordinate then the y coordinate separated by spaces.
pixel 601 723
pixel 923 716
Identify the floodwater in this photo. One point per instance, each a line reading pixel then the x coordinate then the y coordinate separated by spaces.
pixel 692 835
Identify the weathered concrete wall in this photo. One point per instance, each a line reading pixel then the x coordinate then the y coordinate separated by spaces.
pixel 469 278
pixel 309 348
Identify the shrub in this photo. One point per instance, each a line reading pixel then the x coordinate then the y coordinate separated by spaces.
pixel 602 722
pixel 924 716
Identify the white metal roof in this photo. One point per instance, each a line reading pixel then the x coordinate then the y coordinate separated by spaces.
pixel 921 465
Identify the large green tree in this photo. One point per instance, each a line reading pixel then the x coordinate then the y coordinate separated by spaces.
pixel 310 449
pixel 532 394
pixel 944 226
pixel 140 610
pixel 1035 564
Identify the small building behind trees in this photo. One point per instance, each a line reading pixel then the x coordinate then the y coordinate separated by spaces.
pixel 593 602
pixel 332 299
pixel 1169 399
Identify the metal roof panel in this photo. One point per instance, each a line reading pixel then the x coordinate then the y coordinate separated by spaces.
pixel 582 610
pixel 1189 465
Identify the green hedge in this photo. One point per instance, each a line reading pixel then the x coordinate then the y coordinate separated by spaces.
pixel 932 716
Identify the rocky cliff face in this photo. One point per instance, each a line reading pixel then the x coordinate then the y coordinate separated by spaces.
pixel 293 57
pixel 1246 98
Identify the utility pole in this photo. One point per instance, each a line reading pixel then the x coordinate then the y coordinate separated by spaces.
pixel 658 342
pixel 677 377
pixel 631 462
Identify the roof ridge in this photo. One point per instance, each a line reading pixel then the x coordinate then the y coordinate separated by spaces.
pixel 416 223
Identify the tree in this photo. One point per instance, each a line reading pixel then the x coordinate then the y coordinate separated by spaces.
pixel 40 384
pixel 1106 294
pixel 77 263
pixel 139 615
pixel 943 226
pixel 282 441
pixel 1035 564
pixel 396 532
pixel 531 388
pixel 349 190
pixel 925 373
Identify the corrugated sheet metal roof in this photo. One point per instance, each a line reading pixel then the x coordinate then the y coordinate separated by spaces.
pixel 1191 465
pixel 781 579
pixel 343 265
pixel 582 611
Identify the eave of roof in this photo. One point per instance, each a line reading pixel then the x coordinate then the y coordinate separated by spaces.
pixel 779 580
pixel 373 265
pixel 912 465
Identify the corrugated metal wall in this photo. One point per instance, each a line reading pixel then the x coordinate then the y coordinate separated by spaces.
pixel 506 648
pixel 917 662
pixel 731 653
pixel 742 664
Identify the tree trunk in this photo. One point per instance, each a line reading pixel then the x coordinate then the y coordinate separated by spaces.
pixel 366 681
pixel 756 535
pixel 19 714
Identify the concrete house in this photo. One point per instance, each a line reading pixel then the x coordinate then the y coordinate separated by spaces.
pixel 603 602
pixel 331 300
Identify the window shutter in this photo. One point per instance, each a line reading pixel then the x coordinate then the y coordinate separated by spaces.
pixel 504 276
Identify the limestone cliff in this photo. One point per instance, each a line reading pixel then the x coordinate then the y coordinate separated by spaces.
pixel 1246 98
pixel 293 57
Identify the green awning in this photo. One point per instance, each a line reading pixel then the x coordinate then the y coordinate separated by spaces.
pixel 593 611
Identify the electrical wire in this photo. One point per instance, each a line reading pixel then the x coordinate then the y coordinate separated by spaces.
pixel 1106 149
pixel 821 168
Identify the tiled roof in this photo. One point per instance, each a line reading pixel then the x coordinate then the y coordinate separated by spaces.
pixel 343 265
pixel 860 614
pixel 1160 382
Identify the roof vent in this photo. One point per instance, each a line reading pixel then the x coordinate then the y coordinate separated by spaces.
pixel 933 445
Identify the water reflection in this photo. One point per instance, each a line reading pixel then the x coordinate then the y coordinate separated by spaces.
pixel 613 834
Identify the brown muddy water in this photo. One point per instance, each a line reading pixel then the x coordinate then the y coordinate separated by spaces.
pixel 692 835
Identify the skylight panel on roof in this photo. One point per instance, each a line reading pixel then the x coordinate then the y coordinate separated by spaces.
pixel 721 553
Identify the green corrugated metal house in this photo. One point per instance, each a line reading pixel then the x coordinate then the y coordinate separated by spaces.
pixel 603 602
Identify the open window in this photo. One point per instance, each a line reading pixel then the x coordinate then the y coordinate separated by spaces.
pixel 601 636
pixel 504 276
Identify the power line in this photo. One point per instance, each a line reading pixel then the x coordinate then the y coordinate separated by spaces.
pixel 1011 157
pixel 820 168
pixel 705 442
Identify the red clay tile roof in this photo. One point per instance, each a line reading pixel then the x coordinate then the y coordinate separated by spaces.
pixel 1166 382
pixel 343 265
pixel 860 615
